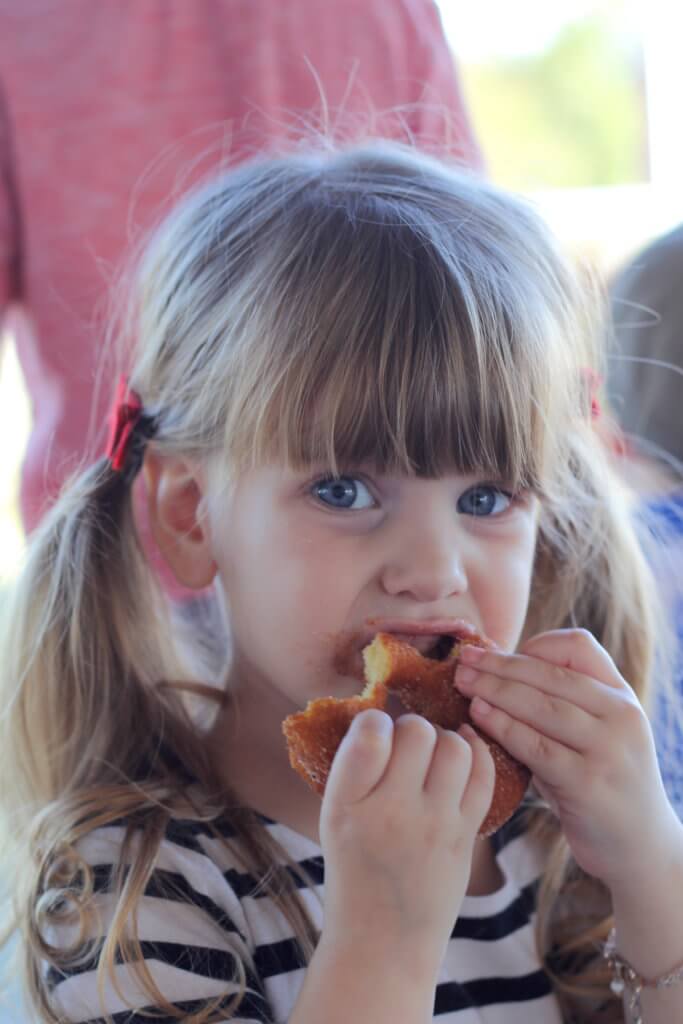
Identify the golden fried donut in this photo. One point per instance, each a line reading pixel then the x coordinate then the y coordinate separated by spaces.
pixel 423 686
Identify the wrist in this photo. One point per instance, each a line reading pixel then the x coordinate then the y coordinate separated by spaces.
pixel 633 986
pixel 348 981
pixel 395 957
pixel 658 872
pixel 647 918
pixel 653 872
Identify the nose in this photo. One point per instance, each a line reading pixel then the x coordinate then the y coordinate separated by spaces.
pixel 425 564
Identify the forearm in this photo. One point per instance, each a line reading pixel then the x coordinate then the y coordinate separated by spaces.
pixel 649 931
pixel 345 982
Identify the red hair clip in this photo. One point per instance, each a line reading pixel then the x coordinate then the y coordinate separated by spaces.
pixel 593 383
pixel 123 419
pixel 609 431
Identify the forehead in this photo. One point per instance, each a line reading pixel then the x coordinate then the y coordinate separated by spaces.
pixel 390 344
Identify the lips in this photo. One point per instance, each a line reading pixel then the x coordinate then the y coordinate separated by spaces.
pixel 431 637
pixel 420 632
pixel 435 645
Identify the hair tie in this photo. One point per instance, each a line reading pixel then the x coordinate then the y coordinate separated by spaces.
pixel 124 420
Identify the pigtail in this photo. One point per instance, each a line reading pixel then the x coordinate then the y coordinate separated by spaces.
pixel 86 730
pixel 81 651
pixel 95 731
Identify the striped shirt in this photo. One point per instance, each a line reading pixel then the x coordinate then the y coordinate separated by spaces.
pixel 201 912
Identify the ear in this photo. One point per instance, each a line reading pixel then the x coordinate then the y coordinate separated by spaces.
pixel 176 490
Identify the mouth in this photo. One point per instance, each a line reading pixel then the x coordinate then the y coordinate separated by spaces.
pixel 434 639
pixel 436 646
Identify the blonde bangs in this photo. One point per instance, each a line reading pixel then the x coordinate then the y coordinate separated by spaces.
pixel 388 357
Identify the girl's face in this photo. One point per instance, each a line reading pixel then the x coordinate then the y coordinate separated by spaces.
pixel 312 567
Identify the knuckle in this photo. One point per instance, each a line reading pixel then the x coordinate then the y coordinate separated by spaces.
pixel 584 639
pixel 491 686
pixel 393 825
pixel 541 748
pixel 631 714
pixel 454 746
pixel 549 706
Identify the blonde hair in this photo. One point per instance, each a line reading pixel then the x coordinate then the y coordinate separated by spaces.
pixel 367 304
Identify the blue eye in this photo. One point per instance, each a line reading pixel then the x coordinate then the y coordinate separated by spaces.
pixel 484 500
pixel 343 492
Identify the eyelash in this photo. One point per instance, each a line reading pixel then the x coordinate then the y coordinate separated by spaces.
pixel 512 497
pixel 329 478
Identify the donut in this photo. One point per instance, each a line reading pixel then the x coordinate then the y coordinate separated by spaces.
pixel 424 686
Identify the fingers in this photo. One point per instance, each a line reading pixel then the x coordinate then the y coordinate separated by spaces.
pixel 410 758
pixel 552 761
pixel 557 719
pixel 450 767
pixel 576 650
pixel 415 741
pixel 478 794
pixel 362 758
pixel 462 774
pixel 561 689
pixel 563 664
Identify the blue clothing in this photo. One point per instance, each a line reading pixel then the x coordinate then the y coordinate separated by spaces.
pixel 663 518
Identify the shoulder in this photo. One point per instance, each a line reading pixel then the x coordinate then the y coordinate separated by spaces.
pixel 192 863
pixel 194 939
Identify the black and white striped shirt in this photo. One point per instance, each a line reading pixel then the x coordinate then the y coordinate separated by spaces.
pixel 201 911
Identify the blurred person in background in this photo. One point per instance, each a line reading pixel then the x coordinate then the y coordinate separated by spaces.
pixel 646 391
pixel 108 110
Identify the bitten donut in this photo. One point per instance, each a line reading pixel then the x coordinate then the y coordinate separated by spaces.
pixel 425 687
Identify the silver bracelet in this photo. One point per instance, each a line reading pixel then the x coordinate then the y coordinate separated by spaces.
pixel 626 979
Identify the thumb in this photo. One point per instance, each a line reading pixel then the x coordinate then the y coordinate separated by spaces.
pixel 361 759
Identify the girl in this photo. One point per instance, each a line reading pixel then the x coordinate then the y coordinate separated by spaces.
pixel 360 398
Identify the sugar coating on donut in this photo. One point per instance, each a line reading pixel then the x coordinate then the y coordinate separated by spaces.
pixel 314 735
pixel 423 686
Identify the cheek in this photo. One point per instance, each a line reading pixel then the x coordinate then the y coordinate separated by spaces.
pixel 507 591
pixel 519 589
pixel 290 578
pixel 318 579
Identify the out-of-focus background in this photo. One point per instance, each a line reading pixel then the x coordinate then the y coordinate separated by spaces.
pixel 576 103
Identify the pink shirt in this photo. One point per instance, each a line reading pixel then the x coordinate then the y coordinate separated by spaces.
pixel 103 105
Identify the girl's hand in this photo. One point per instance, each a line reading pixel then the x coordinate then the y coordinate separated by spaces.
pixel 401 811
pixel 561 707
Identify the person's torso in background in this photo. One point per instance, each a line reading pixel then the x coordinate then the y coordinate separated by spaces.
pixel 114 108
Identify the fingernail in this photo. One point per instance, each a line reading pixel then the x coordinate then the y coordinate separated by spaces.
pixel 470 654
pixel 480 706
pixel 373 720
pixel 465 675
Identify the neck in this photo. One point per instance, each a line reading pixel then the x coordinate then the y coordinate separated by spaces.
pixel 249 755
